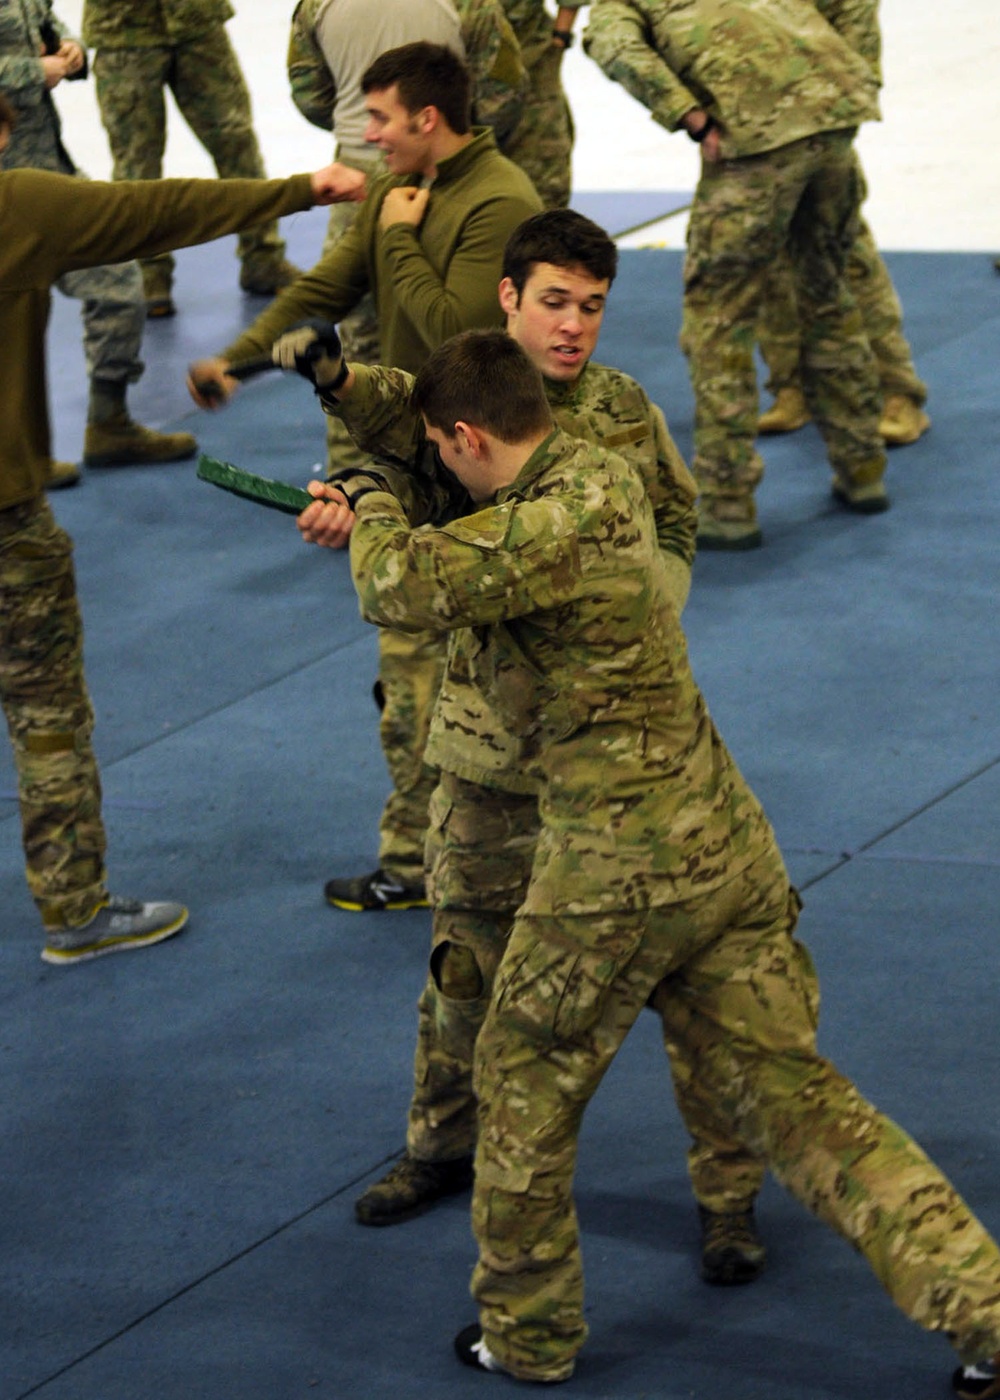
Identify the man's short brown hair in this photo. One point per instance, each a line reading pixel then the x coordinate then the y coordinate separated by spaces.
pixel 425 75
pixel 485 379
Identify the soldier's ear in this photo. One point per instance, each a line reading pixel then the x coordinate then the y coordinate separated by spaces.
pixel 509 296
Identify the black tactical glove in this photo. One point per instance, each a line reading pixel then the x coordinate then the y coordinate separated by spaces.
pixel 355 482
pixel 313 350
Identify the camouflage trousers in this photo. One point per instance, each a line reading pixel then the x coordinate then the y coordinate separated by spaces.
pixel 738 998
pixel 358 329
pixel 113 312
pixel 211 92
pixel 801 201
pixel 49 717
pixel 480 848
pixel 542 142
pixel 872 289
pixel 411 665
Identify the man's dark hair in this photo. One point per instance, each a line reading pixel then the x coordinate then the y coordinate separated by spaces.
pixel 8 117
pixel 483 378
pixel 425 75
pixel 563 238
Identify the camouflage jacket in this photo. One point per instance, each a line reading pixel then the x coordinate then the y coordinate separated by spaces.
pixel 579 649
pixel 36 140
pixel 533 23
pixel 144 24
pixel 499 79
pixel 604 406
pixel 769 71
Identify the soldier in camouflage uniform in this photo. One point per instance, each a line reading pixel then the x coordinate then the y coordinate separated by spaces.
pixel 53 223
pixel 773 91
pixel 656 876
pixel 558 269
pixel 36 54
pixel 542 145
pixel 144 46
pixel 903 418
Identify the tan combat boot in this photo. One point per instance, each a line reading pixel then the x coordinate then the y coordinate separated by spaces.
pixel 787 414
pixel 726 522
pixel 862 489
pixel 60 475
pixel 903 421
pixel 120 442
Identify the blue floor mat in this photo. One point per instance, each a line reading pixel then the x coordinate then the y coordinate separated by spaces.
pixel 185 1129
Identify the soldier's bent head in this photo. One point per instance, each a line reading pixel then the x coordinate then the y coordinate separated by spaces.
pixel 563 238
pixel 424 75
pixel 483 378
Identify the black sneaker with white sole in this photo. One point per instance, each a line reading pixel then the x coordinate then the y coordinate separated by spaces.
pixel 472 1351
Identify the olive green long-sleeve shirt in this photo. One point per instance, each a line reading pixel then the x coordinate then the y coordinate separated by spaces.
pixel 581 652
pixel 51 224
pixel 429 282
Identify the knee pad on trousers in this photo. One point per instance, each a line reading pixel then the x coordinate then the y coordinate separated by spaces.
pixel 456 973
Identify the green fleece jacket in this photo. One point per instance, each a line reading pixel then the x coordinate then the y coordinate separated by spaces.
pixel 429 282
pixel 51 224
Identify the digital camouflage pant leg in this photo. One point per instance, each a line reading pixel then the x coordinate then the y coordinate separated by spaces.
pixel 211 92
pixel 411 665
pixel 542 143
pixel 49 716
pixel 871 286
pixel 114 316
pixel 804 197
pixel 358 332
pixel 740 1002
pixel 480 848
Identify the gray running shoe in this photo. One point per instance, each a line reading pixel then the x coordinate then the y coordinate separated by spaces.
pixel 116 926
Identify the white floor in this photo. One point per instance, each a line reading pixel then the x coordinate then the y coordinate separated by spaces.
pixel 933 163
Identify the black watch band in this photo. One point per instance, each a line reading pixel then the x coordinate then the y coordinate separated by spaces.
pixel 699 136
pixel 565 37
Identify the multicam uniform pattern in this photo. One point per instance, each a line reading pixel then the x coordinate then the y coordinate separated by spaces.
pixel 484 823
pixel 787 81
pixel 112 304
pixel 657 875
pixel 542 144
pixel 871 286
pixel 145 46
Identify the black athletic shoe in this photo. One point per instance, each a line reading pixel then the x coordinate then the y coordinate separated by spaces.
pixel 979 1382
pixel 472 1351
pixel 410 1188
pixel 731 1249
pixel 375 891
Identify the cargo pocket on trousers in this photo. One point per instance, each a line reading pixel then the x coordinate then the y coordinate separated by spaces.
pixel 552 992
